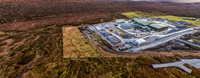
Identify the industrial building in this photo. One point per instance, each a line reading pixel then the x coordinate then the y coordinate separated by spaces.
pixel 119 33
pixel 140 22
pixel 140 41
pixel 159 19
pixel 126 26
pixel 105 34
pixel 97 28
pixel 113 39
pixel 90 29
pixel 149 25
pixel 158 27
pixel 182 22
pixel 118 21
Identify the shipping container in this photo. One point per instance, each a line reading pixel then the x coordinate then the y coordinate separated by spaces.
pixel 135 44
pixel 146 37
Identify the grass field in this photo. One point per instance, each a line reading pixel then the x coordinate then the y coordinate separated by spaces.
pixel 175 18
pixel 75 45
pixel 170 17
pixel 135 14
pixel 2 32
pixel 119 67
pixel 198 22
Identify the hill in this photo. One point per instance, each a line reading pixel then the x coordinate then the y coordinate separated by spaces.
pixel 23 16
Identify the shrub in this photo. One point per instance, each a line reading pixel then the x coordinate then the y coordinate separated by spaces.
pixel 26 59
pixel 12 54
pixel 40 70
pixel 2 44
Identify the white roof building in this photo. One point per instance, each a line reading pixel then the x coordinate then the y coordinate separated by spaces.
pixel 98 28
pixel 140 41
pixel 169 25
pixel 120 21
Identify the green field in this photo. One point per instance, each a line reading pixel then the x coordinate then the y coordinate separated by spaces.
pixel 170 17
pixel 174 18
pixel 197 23
pixel 135 14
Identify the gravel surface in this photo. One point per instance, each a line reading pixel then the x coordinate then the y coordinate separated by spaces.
pixel 171 46
pixel 195 36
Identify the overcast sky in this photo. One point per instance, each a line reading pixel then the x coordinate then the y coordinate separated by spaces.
pixel 184 1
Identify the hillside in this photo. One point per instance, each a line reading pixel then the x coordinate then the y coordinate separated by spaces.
pixel 23 16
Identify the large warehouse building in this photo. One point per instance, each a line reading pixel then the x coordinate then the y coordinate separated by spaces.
pixel 149 25
pixel 158 27
pixel 140 22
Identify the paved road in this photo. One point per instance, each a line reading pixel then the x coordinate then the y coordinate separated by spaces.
pixel 193 62
pixel 186 42
pixel 174 64
pixel 195 21
pixel 161 41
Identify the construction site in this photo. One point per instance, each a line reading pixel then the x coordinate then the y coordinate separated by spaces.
pixel 137 34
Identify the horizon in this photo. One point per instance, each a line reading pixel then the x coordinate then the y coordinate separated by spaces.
pixel 179 1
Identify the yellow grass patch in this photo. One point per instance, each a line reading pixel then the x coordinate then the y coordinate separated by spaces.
pixel 170 17
pixel 75 45
pixel 107 75
pixel 2 32
pixel 175 18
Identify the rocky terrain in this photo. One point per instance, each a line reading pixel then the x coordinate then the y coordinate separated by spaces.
pixel 195 38
pixel 171 46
